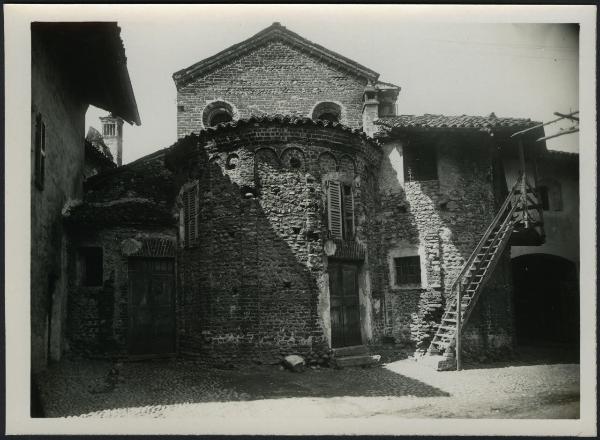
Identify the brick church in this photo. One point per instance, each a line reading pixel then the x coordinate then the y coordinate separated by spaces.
pixel 298 213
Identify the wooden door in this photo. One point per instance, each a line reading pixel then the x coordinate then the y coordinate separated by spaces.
pixel 151 306
pixel 344 304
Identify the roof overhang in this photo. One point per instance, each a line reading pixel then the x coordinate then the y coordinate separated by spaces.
pixel 274 32
pixel 92 58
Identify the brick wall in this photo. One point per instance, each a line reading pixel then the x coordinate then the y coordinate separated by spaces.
pixel 274 78
pixel 255 285
pixel 63 112
pixel 98 316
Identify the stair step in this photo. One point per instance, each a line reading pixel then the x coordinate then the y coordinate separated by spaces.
pixel 353 350
pixel 356 361
pixel 446 327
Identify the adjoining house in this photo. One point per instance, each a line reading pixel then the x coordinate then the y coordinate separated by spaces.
pixel 73 65
pixel 297 212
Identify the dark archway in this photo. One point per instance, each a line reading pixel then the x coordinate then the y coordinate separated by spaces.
pixel 546 299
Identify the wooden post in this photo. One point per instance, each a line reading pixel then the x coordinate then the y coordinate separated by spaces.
pixel 523 184
pixel 458 329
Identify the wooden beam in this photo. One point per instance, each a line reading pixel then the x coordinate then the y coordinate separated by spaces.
pixel 569 116
pixel 543 125
pixel 570 130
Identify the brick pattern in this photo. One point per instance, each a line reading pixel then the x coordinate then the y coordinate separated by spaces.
pixel 273 78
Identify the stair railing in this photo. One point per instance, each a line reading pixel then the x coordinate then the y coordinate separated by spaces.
pixel 501 220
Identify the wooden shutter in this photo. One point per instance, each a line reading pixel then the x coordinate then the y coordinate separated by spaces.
pixel 334 209
pixel 190 208
pixel 348 212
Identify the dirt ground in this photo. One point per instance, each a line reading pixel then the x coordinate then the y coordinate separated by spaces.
pixel 528 388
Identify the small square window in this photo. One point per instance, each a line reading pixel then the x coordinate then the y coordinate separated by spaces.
pixel 420 162
pixel 91 266
pixel 408 270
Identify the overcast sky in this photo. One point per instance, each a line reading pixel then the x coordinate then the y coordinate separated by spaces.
pixel 519 70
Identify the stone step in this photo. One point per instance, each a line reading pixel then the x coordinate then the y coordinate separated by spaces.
pixel 356 361
pixel 354 350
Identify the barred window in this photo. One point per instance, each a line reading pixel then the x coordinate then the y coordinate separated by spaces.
pixel 408 270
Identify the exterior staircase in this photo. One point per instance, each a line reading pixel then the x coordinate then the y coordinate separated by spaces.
pixel 521 215
pixel 354 356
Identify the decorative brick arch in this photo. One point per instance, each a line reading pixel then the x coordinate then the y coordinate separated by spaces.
pixel 347 165
pixel 293 158
pixel 267 156
pixel 326 109
pixel 216 109
pixel 327 163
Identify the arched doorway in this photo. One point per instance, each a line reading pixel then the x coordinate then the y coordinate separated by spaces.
pixel 546 299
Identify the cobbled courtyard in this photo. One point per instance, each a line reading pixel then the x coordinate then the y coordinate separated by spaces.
pixel 404 388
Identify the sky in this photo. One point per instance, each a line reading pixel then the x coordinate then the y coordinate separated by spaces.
pixel 517 70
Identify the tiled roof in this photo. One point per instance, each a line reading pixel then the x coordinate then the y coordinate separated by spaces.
pixel 275 31
pixel 427 121
pixel 140 192
pixel 284 119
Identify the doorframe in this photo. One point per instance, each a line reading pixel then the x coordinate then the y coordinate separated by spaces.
pixel 175 351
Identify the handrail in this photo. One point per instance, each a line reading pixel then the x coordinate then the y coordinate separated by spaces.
pixel 486 235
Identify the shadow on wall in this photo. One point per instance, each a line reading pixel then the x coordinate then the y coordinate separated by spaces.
pixel 444 219
pixel 248 286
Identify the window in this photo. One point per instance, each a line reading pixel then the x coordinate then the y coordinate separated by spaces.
pixel 217 112
pixel 550 195
pixel 219 117
pixel 340 208
pixel 327 111
pixel 190 215
pixel 420 162
pixel 40 152
pixel 91 266
pixel 408 270
pixel 109 129
pixel 545 202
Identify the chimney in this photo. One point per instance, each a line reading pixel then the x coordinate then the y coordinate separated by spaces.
pixel 112 132
pixel 370 109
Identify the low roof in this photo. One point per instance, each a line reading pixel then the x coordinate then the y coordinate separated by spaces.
pixel 92 56
pixel 273 32
pixel 428 121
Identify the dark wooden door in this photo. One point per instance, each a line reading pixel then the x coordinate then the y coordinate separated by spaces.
pixel 151 306
pixel 344 304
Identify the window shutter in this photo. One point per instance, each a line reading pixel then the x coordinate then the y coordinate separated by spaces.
pixel 349 212
pixel 190 208
pixel 334 209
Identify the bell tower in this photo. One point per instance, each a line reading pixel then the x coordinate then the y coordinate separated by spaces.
pixel 112 132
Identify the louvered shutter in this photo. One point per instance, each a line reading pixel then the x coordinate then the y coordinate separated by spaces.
pixel 334 209
pixel 348 212
pixel 190 207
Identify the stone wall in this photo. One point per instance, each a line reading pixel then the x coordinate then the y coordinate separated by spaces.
pixel 63 113
pixel 441 221
pixel 273 78
pixel 255 285
pixel 98 316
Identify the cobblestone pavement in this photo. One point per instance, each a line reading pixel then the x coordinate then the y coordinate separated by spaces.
pixel 176 388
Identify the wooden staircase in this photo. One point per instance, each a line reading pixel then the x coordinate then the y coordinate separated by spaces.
pixel 520 213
